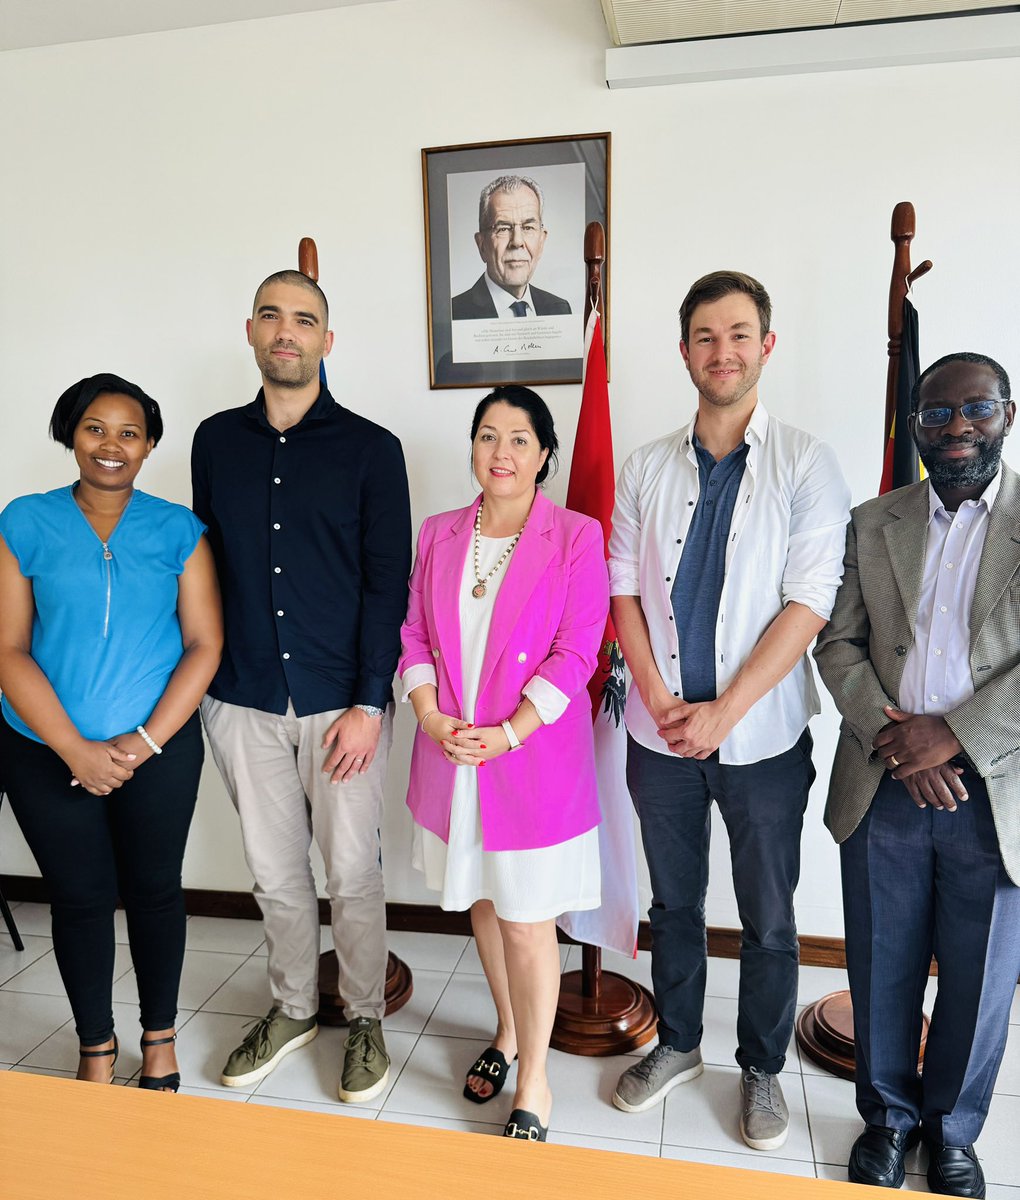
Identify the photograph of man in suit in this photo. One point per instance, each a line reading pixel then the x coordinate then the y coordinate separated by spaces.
pixel 922 656
pixel 510 239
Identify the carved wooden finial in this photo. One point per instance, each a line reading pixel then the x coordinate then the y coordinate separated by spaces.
pixel 308 259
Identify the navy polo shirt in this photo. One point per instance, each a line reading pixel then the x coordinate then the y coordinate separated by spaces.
pixel 311 531
pixel 698 583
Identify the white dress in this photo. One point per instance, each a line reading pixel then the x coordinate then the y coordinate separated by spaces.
pixel 523 885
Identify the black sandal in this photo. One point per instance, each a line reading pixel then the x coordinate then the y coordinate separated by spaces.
pixel 525 1126
pixel 160 1083
pixel 491 1067
pixel 114 1050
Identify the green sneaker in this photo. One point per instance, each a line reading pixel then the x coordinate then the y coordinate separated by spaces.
pixel 271 1039
pixel 366 1063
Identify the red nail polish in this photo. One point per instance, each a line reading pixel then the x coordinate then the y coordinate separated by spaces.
pixel 484 747
pixel 482 763
pixel 470 726
pixel 455 732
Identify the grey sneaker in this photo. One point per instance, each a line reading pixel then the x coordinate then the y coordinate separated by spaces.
pixel 765 1119
pixel 271 1038
pixel 648 1081
pixel 366 1063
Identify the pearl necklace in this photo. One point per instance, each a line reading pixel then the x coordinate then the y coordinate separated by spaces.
pixel 478 591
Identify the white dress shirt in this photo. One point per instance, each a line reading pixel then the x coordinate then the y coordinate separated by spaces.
pixel 787 539
pixel 936 674
pixel 502 300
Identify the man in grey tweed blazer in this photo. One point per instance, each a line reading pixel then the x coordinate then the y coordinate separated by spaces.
pixel 922 656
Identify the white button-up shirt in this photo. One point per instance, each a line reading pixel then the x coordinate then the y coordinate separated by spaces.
pixel 936 675
pixel 786 544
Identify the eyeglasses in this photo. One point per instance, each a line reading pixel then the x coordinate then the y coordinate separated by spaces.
pixel 974 410
pixel 502 231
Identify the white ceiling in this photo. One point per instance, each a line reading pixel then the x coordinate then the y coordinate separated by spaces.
pixel 26 23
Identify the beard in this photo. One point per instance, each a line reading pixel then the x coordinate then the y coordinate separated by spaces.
pixel 295 373
pixel 726 395
pixel 962 473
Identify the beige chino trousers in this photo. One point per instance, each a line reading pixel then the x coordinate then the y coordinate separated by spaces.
pixel 272 767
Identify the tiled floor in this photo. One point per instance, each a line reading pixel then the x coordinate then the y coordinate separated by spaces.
pixel 436 1036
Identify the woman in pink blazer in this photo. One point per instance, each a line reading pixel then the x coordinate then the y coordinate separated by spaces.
pixel 507 607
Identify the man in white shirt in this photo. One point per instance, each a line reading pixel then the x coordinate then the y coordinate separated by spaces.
pixel 725 558
pixel 922 656
pixel 510 239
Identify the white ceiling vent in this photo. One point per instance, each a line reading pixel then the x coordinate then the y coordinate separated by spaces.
pixel 632 22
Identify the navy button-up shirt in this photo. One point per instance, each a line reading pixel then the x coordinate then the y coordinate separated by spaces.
pixel 311 530
pixel 697 587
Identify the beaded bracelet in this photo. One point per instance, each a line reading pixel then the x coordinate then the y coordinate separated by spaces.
pixel 141 731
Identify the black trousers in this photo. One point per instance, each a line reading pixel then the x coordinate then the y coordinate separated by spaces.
pixel 92 848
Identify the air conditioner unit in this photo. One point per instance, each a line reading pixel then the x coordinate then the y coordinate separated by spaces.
pixel 695 41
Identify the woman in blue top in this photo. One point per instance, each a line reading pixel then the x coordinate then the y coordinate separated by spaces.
pixel 110 631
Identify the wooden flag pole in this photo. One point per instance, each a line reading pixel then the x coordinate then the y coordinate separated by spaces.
pixel 904 225
pixel 399 983
pixel 599 1012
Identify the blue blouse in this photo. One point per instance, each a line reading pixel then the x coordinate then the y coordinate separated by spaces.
pixel 105 631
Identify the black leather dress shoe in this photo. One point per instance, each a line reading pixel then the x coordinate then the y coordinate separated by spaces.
pixel 955 1171
pixel 877 1156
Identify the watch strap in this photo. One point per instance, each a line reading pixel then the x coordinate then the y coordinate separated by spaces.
pixel 511 736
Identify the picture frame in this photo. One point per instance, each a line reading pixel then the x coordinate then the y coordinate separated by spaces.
pixel 504 266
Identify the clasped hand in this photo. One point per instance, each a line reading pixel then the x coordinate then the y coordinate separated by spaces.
pixel 466 745
pixel 693 730
pixel 917 750
pixel 99 767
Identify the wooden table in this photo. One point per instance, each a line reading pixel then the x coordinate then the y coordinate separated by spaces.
pixel 60 1138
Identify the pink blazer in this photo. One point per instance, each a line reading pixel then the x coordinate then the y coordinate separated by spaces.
pixel 548 620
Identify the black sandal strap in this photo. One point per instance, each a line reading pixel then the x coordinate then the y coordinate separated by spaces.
pixel 492 1068
pixel 491 1063
pixel 525 1126
pixel 98 1053
pixel 160 1041
pixel 154 1083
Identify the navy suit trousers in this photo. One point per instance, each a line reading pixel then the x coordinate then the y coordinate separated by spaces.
pixel 918 882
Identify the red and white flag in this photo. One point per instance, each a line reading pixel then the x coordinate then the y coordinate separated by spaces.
pixel 592 491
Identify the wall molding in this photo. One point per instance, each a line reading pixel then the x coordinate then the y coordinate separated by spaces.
pixel 428 918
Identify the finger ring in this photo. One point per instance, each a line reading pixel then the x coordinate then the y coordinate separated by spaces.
pixel 359 760
pixel 893 760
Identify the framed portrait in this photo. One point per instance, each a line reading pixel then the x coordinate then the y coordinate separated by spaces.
pixel 504 257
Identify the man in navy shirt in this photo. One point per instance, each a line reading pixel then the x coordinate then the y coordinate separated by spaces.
pixel 309 520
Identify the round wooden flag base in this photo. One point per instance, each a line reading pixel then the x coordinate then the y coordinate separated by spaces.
pixel 621 1018
pixel 825 1033
pixel 399 986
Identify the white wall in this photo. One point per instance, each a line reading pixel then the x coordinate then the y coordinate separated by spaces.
pixel 152 181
